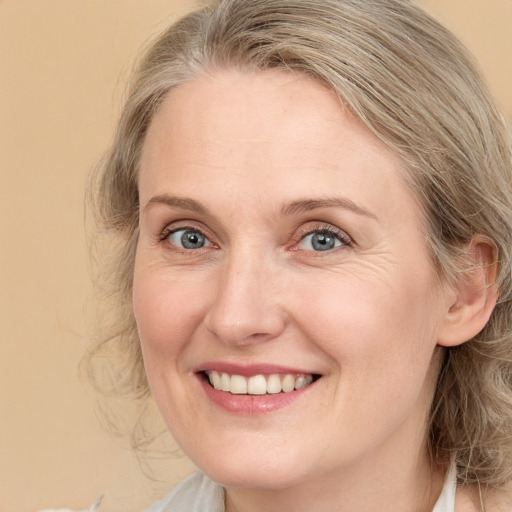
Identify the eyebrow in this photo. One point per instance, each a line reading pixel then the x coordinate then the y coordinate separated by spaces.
pixel 293 208
pixel 183 203
pixel 306 205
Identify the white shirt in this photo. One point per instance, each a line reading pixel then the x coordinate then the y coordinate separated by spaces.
pixel 198 493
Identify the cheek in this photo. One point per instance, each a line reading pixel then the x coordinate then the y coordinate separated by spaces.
pixel 167 314
pixel 375 324
pixel 167 311
pixel 381 339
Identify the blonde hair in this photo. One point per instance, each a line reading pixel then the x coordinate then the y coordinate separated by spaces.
pixel 415 87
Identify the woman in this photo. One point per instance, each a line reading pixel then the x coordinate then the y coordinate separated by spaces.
pixel 313 204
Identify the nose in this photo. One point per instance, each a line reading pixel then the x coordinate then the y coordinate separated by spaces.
pixel 245 307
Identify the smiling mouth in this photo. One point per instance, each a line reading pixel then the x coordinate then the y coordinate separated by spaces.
pixel 258 384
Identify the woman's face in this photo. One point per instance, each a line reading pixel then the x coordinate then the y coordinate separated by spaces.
pixel 280 247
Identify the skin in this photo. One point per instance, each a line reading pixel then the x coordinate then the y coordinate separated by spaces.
pixel 368 315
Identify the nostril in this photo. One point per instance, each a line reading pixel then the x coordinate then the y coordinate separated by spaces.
pixel 243 314
pixel 241 333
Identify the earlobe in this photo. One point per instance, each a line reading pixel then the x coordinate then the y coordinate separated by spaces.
pixel 474 296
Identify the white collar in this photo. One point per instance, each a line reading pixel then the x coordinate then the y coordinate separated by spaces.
pixel 446 500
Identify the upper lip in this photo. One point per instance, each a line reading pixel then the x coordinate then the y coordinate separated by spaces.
pixel 248 370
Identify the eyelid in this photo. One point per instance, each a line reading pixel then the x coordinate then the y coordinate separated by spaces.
pixel 185 225
pixel 301 232
pixel 175 226
pixel 321 227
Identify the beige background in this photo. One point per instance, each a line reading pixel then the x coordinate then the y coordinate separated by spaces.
pixel 63 66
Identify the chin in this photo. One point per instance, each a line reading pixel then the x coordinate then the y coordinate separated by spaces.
pixel 239 471
pixel 264 479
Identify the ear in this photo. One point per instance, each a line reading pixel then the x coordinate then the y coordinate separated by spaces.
pixel 472 299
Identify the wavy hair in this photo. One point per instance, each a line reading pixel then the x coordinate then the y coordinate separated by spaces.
pixel 416 88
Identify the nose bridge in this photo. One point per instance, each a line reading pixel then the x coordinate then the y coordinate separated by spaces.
pixel 245 309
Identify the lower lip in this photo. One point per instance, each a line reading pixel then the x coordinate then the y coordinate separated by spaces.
pixel 251 405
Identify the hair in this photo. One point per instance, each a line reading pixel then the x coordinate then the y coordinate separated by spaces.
pixel 414 85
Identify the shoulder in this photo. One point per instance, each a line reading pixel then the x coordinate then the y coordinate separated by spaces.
pixel 469 500
pixel 197 493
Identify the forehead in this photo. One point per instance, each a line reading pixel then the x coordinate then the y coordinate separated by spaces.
pixel 270 133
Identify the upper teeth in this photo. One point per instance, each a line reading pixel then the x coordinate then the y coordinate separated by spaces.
pixel 258 384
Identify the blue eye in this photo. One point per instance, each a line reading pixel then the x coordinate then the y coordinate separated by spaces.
pixel 321 241
pixel 188 239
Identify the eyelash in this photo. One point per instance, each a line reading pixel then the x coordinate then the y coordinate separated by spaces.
pixel 323 229
pixel 168 231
